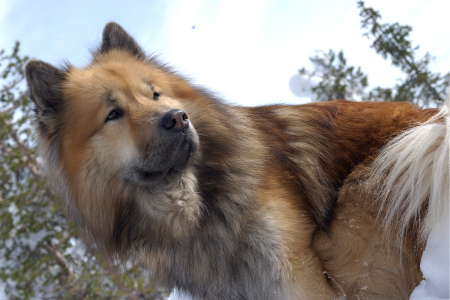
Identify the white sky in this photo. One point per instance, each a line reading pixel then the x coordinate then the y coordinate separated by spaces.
pixel 245 50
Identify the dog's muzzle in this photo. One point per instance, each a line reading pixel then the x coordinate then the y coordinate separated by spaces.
pixel 171 152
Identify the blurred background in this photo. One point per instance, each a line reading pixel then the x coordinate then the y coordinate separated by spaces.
pixel 248 51
pixel 254 52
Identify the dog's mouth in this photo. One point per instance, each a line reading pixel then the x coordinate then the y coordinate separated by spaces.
pixel 166 155
pixel 150 174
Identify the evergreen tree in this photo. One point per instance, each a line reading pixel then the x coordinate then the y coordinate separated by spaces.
pixel 339 81
pixel 336 79
pixel 41 255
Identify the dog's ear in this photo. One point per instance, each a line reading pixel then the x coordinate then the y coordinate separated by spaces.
pixel 115 37
pixel 45 90
pixel 44 83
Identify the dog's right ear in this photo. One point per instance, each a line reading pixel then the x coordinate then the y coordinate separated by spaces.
pixel 44 83
pixel 45 90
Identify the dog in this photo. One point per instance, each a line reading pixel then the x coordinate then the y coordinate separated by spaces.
pixel 227 202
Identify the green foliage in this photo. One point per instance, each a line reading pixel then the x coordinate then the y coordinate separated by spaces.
pixel 41 255
pixel 338 81
pixel 391 41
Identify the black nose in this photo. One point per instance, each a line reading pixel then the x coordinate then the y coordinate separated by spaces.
pixel 175 119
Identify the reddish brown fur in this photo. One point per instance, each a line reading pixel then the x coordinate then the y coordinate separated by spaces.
pixel 356 133
pixel 367 261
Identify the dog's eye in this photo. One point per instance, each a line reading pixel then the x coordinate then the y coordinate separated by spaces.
pixel 115 114
pixel 155 95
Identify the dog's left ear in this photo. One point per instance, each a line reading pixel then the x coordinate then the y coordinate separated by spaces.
pixel 115 37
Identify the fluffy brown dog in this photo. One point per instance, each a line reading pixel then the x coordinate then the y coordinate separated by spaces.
pixel 222 202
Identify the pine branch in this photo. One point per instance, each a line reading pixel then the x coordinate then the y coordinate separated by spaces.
pixel 4 112
pixel 391 40
pixel 413 67
pixel 31 167
pixel 24 149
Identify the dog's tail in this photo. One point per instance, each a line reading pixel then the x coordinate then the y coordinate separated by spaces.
pixel 414 171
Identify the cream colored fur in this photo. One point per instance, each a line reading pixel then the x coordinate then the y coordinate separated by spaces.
pixel 413 169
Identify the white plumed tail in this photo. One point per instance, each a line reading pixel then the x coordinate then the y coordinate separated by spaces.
pixel 412 169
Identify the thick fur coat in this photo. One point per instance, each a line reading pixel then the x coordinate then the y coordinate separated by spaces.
pixel 224 202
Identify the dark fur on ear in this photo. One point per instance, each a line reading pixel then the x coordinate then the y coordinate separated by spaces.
pixel 115 37
pixel 44 84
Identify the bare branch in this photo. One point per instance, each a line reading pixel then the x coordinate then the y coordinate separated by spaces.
pixel 59 258
pixel 16 82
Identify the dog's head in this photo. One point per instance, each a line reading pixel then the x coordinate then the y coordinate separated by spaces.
pixel 115 131
pixel 121 115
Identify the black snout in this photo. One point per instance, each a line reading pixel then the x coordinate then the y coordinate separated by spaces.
pixel 175 119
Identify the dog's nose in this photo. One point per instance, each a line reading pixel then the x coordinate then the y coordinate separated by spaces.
pixel 175 119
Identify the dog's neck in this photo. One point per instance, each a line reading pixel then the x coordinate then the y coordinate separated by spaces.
pixel 175 203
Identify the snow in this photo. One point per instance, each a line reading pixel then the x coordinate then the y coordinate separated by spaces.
pixel 435 265
pixel 177 295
